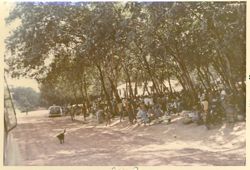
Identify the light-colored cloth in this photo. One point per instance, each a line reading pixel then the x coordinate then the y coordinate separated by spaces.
pixel 223 92
pixel 205 105
pixel 99 115
pixel 148 101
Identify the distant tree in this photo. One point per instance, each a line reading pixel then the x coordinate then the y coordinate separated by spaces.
pixel 25 98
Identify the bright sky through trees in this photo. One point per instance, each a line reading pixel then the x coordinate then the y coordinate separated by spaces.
pixel 5 29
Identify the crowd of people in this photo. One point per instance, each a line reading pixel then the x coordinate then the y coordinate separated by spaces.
pixel 212 106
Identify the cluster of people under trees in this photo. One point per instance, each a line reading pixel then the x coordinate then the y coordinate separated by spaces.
pixel 212 106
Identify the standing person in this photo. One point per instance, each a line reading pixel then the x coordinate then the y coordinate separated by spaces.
pixel 83 109
pixel 205 105
pixel 120 110
pixel 164 104
pixel 107 115
pixel 133 103
pixel 199 110
pixel 230 110
pixel 129 111
pixel 72 112
pixel 239 101
pixel 100 113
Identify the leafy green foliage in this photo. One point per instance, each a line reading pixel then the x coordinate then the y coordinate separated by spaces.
pixel 92 47
pixel 26 99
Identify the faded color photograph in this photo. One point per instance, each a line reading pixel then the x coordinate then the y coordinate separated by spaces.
pixel 124 83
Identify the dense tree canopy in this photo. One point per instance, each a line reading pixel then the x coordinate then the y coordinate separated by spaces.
pixel 79 50
pixel 25 99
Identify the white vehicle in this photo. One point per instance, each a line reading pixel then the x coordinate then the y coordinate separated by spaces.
pixel 55 111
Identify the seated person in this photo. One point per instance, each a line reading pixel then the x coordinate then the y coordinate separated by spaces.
pixel 100 115
pixel 151 113
pixel 142 114
pixel 154 112
pixel 158 111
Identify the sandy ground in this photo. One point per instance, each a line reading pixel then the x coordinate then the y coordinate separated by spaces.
pixel 88 144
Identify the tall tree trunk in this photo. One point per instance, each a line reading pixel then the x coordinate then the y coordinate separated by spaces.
pixel 86 93
pixel 145 88
pixel 207 78
pixel 130 87
pixel 114 90
pixel 211 78
pixel 181 82
pixel 136 82
pixel 74 93
pixel 170 86
pixel 222 74
pixel 200 75
pixel 84 109
pixel 155 84
pixel 104 88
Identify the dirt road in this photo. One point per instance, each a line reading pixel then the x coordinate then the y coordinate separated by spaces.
pixel 161 144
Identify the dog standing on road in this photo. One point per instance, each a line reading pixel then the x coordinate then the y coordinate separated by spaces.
pixel 61 136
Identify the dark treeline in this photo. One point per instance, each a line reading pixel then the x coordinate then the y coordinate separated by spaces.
pixel 26 99
pixel 78 51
